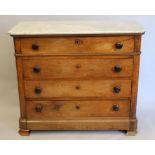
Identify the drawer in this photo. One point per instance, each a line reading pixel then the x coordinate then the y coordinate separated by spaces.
pixel 77 45
pixel 78 88
pixel 58 67
pixel 77 109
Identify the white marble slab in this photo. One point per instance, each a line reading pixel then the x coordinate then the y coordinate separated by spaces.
pixel 75 27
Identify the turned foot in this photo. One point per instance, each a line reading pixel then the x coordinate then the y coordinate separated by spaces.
pixel 24 132
pixel 131 132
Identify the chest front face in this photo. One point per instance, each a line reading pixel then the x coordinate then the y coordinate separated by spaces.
pixel 78 82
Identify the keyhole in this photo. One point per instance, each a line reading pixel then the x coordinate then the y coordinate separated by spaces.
pixel 77 107
pixel 77 87
pixel 78 66
pixel 78 41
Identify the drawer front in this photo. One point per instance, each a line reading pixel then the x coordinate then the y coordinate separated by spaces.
pixel 77 45
pixel 78 88
pixel 77 109
pixel 52 68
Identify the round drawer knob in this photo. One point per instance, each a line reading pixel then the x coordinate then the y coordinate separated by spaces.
pixel 115 107
pixel 117 89
pixel 35 46
pixel 38 90
pixel 119 45
pixel 38 108
pixel 36 69
pixel 117 68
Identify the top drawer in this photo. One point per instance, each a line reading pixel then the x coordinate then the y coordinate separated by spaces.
pixel 77 45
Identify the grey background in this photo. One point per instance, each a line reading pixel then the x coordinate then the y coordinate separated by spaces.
pixel 9 103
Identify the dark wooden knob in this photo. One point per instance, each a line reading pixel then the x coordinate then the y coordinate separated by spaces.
pixel 78 42
pixel 36 69
pixel 35 46
pixel 115 107
pixel 117 68
pixel 38 108
pixel 38 90
pixel 118 45
pixel 117 89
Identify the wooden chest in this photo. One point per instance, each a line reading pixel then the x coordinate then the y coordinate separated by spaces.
pixel 77 76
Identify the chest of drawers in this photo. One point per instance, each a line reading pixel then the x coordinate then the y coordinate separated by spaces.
pixel 77 76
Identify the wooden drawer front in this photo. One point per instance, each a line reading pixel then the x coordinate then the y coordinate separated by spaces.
pixel 77 45
pixel 70 109
pixel 78 88
pixel 50 68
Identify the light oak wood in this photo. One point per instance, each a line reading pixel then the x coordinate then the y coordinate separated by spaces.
pixel 99 123
pixel 70 45
pixel 131 132
pixel 78 88
pixel 77 81
pixel 19 66
pixel 62 67
pixel 17 45
pixel 76 109
pixel 134 91
pixel 24 132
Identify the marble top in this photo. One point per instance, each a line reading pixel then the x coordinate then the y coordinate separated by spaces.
pixel 75 27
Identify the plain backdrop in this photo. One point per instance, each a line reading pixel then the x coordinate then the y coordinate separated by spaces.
pixel 9 103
